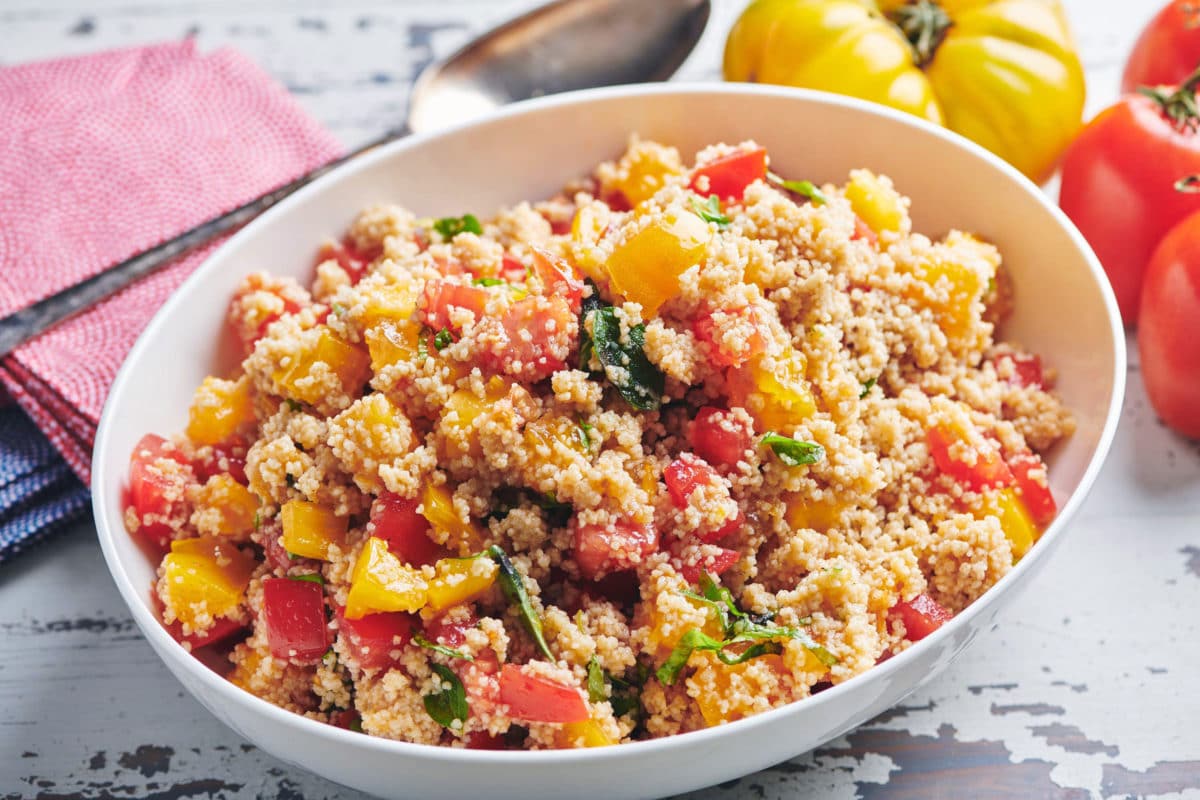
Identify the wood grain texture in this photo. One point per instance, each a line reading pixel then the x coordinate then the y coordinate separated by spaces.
pixel 1085 688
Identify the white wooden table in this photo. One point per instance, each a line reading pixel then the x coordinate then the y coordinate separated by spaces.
pixel 1086 688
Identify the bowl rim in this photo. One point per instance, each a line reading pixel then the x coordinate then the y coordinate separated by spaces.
pixel 164 644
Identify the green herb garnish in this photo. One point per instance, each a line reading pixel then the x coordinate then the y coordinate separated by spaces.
pixel 738 627
pixel 792 452
pixel 596 682
pixel 290 480
pixel 450 704
pixel 589 304
pixel 513 586
pixel 312 577
pixel 257 519
pixel 292 404
pixel 356 725
pixel 584 432
pixel 625 365
pixel 422 343
pixel 803 188
pixel 443 338
pixel 449 227
pixel 330 659
pixel 867 387
pixel 489 282
pixel 340 310
pixel 710 211
pixel 421 641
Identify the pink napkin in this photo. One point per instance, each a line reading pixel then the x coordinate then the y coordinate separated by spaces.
pixel 104 156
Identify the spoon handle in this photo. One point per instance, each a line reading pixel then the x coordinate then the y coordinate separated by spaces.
pixel 21 326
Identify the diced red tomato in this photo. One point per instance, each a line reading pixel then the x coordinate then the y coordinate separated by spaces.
pixel 371 639
pixel 721 437
pixel 684 475
pixel 710 329
pixel 347 719
pixel 729 175
pixel 558 278
pixel 482 740
pixel 863 231
pixel 228 457
pixel 156 490
pixel 1030 474
pixel 533 698
pixel 713 565
pixel 440 296
pixel 621 545
pixel 539 334
pixel 449 266
pixel 247 314
pixel 512 270
pixel 405 530
pixel 720 533
pixel 922 616
pixel 987 471
pixel 223 628
pixel 349 257
pixel 1026 369
pixel 295 618
pixel 451 634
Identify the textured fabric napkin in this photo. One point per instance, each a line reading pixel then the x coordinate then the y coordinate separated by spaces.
pixel 102 156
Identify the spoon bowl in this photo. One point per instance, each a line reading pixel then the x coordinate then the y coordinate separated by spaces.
pixel 560 47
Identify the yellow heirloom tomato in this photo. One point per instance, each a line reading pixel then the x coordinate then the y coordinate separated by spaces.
pixel 1001 72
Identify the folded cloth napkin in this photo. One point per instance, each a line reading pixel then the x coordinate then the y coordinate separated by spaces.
pixel 103 156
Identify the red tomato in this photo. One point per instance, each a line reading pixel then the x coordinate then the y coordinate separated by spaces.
pixel 1030 475
pixel 440 296
pixel 371 639
pixel 1025 369
pixel 712 329
pixel 539 334
pixel 295 618
pixel 600 549
pixel 1168 341
pixel 714 564
pixel 1168 49
pixel 1118 187
pixel 482 740
pixel 684 475
pixel 729 175
pixel 223 628
pixel 922 616
pixel 405 530
pixel 451 634
pixel 987 469
pixel 512 270
pixel 721 437
pixel 156 490
pixel 348 719
pixel 863 231
pixel 558 278
pixel 349 257
pixel 533 698
pixel 727 529
pixel 229 457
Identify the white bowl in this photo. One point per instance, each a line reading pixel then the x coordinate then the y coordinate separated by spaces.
pixel 1065 311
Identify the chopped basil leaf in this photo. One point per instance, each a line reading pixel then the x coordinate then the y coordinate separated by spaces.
pixel 589 304
pixel 595 682
pixel 292 555
pixel 290 480
pixel 422 343
pixel 257 519
pixel 803 188
pixel 489 282
pixel 792 452
pixel 356 725
pixel 450 704
pixel 292 404
pixel 710 210
pixel 421 641
pixel 626 366
pixel 449 227
pixel 867 387
pixel 329 659
pixel 584 432
pixel 340 310
pixel 443 339
pixel 694 639
pixel 513 586
pixel 312 577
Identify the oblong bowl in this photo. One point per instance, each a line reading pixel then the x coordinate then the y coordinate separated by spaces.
pixel 1064 311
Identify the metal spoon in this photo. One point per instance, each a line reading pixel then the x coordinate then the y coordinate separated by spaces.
pixel 564 45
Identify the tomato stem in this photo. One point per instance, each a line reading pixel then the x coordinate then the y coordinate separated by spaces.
pixel 924 24
pixel 1178 105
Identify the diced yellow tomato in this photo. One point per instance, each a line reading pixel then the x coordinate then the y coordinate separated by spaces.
pixel 381 582
pixel 392 303
pixel 645 268
pixel 460 580
pixel 372 422
pixel 1015 520
pixel 784 397
pixel 589 731
pixel 351 365
pixel 587 228
pixel 437 506
pixel 876 202
pixel 392 342
pixel 545 434
pixel 458 418
pixel 310 530
pixel 644 175
pixel 819 515
pixel 205 576
pixel 218 409
pixel 953 290
pixel 244 670
pixel 226 507
pixel 727 691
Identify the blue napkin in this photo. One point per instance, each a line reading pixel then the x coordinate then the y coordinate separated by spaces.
pixel 39 494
